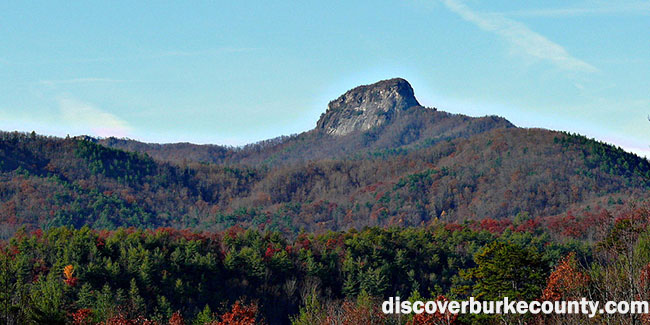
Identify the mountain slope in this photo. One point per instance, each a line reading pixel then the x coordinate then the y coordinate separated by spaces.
pixel 498 174
pixel 407 166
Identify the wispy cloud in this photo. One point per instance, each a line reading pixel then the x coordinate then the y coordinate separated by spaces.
pixel 89 118
pixel 613 8
pixel 520 37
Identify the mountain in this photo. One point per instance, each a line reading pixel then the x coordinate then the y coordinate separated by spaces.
pixel 367 107
pixel 378 117
pixel 375 157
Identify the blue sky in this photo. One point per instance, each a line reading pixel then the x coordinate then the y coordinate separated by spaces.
pixel 235 72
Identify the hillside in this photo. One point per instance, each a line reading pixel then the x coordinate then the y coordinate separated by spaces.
pixel 408 165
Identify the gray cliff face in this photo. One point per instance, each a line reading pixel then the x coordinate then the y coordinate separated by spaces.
pixel 366 107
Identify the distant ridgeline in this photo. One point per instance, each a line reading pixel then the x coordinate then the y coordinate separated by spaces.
pixel 375 158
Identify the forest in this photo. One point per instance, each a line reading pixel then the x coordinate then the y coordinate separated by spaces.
pixel 49 182
pixel 238 276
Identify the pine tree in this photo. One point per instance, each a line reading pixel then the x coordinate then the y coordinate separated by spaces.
pixel 85 297
pixel 137 304
pixel 48 301
pixel 507 270
pixel 204 317
pixel 104 304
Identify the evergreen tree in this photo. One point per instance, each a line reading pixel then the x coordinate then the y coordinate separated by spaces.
pixel 507 270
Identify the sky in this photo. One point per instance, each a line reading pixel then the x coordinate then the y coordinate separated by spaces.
pixel 236 72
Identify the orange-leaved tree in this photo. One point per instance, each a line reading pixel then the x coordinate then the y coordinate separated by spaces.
pixel 241 315
pixel 566 282
pixel 68 273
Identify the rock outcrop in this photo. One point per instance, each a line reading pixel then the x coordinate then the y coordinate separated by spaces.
pixel 366 107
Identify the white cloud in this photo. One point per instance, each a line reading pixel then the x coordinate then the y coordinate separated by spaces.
pixel 86 117
pixel 520 37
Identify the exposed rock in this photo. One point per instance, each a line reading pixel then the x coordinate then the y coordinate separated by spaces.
pixel 366 107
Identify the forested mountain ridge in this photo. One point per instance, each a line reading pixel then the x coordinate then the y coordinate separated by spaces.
pixel 382 116
pixel 498 174
pixel 373 159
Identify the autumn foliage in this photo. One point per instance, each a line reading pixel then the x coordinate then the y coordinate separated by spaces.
pixel 435 319
pixel 68 277
pixel 170 276
pixel 241 314
pixel 566 282
pixel 82 317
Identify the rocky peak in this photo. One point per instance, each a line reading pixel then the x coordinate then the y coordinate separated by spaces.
pixel 366 107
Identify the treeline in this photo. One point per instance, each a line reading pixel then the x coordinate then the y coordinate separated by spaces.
pixel 50 182
pixel 130 276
